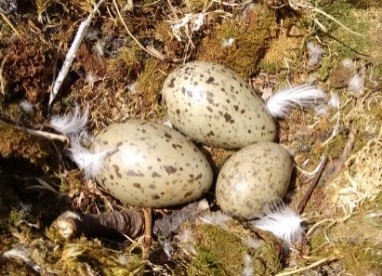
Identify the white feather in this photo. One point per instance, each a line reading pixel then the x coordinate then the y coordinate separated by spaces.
pixel 357 83
pixel 228 42
pixel 26 106
pixel 334 101
pixel 91 163
pixel 216 218
pixel 280 104
pixel 21 254
pixel 315 53
pixel 248 269
pixel 72 123
pixel 282 222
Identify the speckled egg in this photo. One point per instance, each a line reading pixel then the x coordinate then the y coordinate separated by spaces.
pixel 214 105
pixel 152 165
pixel 252 178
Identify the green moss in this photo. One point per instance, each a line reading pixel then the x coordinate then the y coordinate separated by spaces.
pixel 340 41
pixel 218 249
pixel 149 84
pixel 222 252
pixel 335 147
pixel 250 32
pixel 326 66
pixel 355 241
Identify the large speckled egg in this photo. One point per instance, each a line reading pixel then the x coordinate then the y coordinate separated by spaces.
pixel 214 105
pixel 151 165
pixel 253 178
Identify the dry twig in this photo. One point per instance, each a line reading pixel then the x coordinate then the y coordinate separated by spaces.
pixel 34 132
pixel 147 237
pixel 313 184
pixel 315 264
pixel 82 30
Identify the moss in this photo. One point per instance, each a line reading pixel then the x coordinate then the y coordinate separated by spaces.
pixel 356 240
pixel 326 65
pixel 281 50
pixel 148 86
pixel 196 6
pixel 336 146
pixel 33 149
pixel 222 252
pixel 219 248
pixel 340 41
pixel 250 31
pixel 28 68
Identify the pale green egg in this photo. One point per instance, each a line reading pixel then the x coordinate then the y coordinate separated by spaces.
pixel 214 105
pixel 253 178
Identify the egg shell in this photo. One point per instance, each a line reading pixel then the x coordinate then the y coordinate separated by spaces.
pixel 253 178
pixel 214 105
pixel 153 165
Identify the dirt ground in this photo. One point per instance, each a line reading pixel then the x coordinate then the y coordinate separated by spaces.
pixel 118 71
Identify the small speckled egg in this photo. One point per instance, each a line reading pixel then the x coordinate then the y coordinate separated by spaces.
pixel 214 105
pixel 252 178
pixel 152 165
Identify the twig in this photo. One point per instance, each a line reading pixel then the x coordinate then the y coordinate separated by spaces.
pixel 2 85
pixel 336 21
pixel 10 24
pixel 34 132
pixel 320 262
pixel 147 238
pixel 313 184
pixel 154 54
pixel 82 29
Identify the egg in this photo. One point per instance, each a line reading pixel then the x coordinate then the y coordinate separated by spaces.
pixel 214 105
pixel 151 165
pixel 253 178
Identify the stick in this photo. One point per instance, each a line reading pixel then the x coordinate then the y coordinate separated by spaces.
pixel 34 132
pixel 324 260
pixel 308 193
pixel 82 29
pixel 147 238
pixel 336 21
pixel 10 24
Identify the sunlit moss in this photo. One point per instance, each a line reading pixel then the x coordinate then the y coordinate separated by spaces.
pixel 222 252
pixel 250 33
